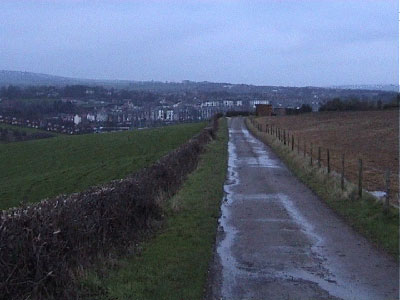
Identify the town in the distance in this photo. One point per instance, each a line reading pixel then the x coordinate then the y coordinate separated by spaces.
pixel 75 106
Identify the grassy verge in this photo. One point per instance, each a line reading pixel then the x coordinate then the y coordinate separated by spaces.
pixel 37 169
pixel 174 263
pixel 366 214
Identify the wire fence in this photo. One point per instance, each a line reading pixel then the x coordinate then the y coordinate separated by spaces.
pixel 381 182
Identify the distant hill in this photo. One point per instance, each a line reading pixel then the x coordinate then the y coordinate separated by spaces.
pixel 372 87
pixel 29 78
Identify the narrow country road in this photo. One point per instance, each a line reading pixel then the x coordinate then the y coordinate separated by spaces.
pixel 277 240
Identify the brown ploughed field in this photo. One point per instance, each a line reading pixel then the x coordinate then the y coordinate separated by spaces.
pixel 372 136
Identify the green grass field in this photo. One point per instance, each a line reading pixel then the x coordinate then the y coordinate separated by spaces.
pixel 174 263
pixel 37 169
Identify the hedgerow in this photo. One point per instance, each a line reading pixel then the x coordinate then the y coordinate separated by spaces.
pixel 43 245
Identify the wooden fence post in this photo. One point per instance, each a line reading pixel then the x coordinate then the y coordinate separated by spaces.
pixel 298 146
pixel 387 198
pixel 360 179
pixel 284 136
pixel 319 157
pixel 311 155
pixel 288 139
pixel 328 160
pixel 292 142
pixel 342 177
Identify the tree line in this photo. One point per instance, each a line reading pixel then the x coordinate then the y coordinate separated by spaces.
pixel 338 104
pixel 77 92
pixel 16 135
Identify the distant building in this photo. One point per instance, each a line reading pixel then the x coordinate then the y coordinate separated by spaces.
pixel 101 116
pixel 228 103
pixel 77 120
pixel 253 103
pixel 169 115
pixel 263 110
pixel 91 117
pixel 210 104
pixel 160 114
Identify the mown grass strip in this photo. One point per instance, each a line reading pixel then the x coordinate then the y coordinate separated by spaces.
pixel 37 169
pixel 366 215
pixel 174 264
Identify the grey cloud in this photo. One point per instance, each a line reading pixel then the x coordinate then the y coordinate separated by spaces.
pixel 259 42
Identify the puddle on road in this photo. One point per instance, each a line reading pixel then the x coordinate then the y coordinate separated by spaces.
pixel 305 226
pixel 232 271
pixel 262 159
pixel 331 279
pixel 227 259
pixel 378 194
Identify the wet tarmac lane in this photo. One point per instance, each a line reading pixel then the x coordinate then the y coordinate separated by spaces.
pixel 277 240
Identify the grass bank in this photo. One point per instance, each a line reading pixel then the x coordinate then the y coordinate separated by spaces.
pixel 366 215
pixel 174 263
pixel 37 169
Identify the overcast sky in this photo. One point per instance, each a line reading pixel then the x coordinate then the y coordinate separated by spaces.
pixel 286 42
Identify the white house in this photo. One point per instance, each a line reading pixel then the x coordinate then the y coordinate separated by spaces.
pixel 101 116
pixel 160 114
pixel 228 103
pixel 77 120
pixel 210 104
pixel 91 117
pixel 253 103
pixel 170 115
